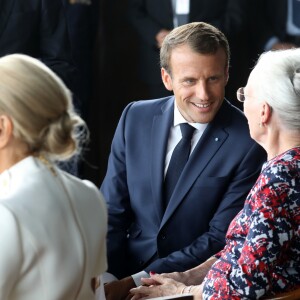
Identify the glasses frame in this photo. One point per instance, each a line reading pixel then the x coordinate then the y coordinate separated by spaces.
pixel 240 95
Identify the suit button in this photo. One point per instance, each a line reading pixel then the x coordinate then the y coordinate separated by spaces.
pixel 163 237
pixel 128 235
pixel 141 262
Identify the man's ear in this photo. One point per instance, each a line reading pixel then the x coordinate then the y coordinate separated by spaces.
pixel 6 130
pixel 227 74
pixel 167 80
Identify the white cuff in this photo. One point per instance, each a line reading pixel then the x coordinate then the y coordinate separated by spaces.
pixel 138 276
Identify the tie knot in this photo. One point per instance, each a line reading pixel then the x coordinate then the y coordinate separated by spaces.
pixel 186 130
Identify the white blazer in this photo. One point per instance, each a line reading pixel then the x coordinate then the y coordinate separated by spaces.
pixel 52 234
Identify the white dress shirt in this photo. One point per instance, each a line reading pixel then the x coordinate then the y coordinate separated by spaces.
pixel 175 135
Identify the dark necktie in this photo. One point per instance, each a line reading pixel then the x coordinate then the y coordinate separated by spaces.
pixel 296 13
pixel 178 160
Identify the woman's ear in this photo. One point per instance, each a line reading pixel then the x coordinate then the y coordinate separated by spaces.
pixel 265 113
pixel 6 130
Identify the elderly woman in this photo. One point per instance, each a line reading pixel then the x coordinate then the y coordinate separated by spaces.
pixel 52 225
pixel 262 252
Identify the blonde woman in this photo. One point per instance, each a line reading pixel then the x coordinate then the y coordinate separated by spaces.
pixel 52 225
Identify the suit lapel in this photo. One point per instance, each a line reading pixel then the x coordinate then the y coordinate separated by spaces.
pixel 5 11
pixel 208 145
pixel 159 140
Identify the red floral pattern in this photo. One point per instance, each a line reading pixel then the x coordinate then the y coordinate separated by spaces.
pixel 262 252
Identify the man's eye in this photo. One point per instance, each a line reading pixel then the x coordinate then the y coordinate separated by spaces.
pixel 189 81
pixel 213 78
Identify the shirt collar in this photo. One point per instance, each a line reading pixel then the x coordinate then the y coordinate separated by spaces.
pixel 179 119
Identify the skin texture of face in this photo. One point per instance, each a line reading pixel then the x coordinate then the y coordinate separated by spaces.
pixel 253 108
pixel 198 82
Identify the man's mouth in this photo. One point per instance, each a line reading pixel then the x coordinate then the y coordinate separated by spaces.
pixel 202 105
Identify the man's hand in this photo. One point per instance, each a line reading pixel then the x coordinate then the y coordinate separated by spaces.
pixel 119 290
pixel 161 36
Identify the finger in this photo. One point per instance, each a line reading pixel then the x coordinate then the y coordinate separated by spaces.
pixel 140 290
pixel 149 281
pixel 135 291
pixel 160 278
pixel 137 297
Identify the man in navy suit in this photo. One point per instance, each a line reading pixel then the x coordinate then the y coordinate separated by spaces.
pixel 38 28
pixel 223 165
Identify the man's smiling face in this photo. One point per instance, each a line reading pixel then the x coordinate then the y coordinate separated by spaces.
pixel 198 82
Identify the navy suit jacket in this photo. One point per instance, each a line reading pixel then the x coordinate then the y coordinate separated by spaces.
pixel 148 17
pixel 38 28
pixel 210 192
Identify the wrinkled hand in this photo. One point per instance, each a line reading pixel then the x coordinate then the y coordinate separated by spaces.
pixel 177 276
pixel 119 290
pixel 163 286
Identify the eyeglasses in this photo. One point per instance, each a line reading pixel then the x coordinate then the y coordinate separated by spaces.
pixel 240 94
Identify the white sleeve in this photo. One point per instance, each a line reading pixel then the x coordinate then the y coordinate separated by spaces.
pixel 102 262
pixel 10 253
pixel 138 276
pixel 100 293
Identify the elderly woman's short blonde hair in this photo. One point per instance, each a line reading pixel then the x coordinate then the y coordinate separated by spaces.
pixel 40 106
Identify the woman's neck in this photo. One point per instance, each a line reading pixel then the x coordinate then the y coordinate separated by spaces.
pixel 281 141
pixel 12 153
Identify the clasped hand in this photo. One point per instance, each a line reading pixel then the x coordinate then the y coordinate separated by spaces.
pixel 119 289
pixel 157 286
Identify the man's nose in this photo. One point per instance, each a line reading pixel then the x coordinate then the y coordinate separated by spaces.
pixel 202 91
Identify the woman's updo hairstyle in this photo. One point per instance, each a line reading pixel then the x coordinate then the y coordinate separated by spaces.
pixel 278 78
pixel 40 106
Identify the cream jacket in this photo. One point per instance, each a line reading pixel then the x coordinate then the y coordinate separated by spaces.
pixel 52 234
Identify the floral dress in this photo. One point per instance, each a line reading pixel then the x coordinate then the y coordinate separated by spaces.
pixel 262 252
